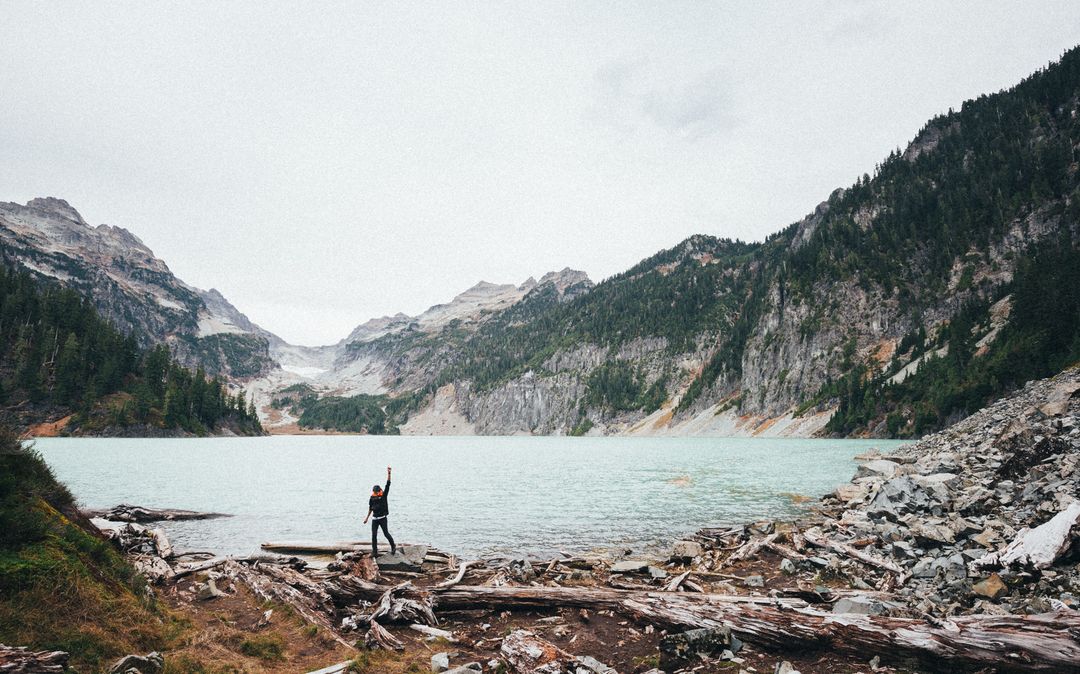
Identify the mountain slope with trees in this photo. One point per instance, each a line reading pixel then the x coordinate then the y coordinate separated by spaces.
pixel 59 356
pixel 905 301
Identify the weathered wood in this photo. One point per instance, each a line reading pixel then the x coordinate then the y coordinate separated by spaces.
pixel 751 548
pixel 20 660
pixel 785 551
pixel 161 542
pixel 394 607
pixel 316 610
pixel 378 637
pixel 1039 643
pixel 676 581
pixel 434 632
pixel 462 568
pixel 131 513
pixel 854 553
pixel 526 653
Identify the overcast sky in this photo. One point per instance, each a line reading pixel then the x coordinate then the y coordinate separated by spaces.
pixel 324 163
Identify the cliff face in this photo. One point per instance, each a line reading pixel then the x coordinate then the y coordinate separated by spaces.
pixel 132 288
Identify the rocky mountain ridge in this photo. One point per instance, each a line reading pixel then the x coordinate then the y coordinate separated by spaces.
pixel 899 305
pixel 133 288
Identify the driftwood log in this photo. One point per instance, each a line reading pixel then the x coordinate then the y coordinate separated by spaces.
pixel 527 653
pixel 1038 643
pixel 20 660
pixel 844 549
pixel 271 583
pixel 131 513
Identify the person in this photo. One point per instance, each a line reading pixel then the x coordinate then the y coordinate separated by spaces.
pixel 378 507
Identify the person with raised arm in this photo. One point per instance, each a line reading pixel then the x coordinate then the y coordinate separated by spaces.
pixel 378 507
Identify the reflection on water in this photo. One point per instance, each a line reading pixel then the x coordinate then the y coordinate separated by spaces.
pixel 465 495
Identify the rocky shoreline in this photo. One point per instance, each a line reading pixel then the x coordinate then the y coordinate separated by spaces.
pixel 957 552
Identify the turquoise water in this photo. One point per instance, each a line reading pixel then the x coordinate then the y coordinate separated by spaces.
pixel 467 495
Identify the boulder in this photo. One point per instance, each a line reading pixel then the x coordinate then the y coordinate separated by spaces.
pixel 787 567
pixel 859 604
pixel 991 588
pixel 407 558
pixel 878 467
pixel 898 496
pixel 151 663
pixel 684 551
pixel 440 662
pixel 630 566
pixel 677 650
pixel 208 590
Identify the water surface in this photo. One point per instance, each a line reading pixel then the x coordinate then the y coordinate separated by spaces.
pixel 467 495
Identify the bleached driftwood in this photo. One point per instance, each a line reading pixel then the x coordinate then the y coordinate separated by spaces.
pixel 1035 643
pixel 378 637
pixel 527 653
pixel 676 582
pixel 751 548
pixel 1037 548
pixel 854 553
pixel 19 660
pixel 394 607
pixel 462 568
pixel 313 604
pixel 434 632
pixel 130 513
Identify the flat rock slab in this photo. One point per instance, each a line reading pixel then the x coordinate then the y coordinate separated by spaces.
pixel 407 558
pixel 630 566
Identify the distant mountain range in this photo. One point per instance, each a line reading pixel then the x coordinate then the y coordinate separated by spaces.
pixel 898 305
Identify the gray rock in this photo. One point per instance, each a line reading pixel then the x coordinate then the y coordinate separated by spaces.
pixel 787 567
pixel 440 662
pixel 208 590
pixel 859 604
pixel 630 566
pixel 878 467
pixel 684 551
pixel 754 581
pixel 657 573
pixel 407 558
pixel 151 663
pixel 676 650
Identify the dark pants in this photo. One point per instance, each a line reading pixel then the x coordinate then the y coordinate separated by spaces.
pixel 375 524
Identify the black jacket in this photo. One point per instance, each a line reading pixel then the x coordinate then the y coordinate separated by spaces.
pixel 378 504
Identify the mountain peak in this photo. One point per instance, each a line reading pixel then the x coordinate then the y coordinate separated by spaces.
pixel 58 207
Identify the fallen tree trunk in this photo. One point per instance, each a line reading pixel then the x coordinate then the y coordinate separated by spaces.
pixel 315 609
pixel 131 513
pixel 1038 643
pixel 20 660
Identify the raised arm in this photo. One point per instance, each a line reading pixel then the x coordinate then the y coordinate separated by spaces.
pixel 386 489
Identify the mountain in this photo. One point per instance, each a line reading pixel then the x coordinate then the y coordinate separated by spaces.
pixel 898 305
pixel 132 288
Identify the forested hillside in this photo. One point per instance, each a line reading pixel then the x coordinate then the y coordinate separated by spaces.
pixel 57 355
pixel 906 301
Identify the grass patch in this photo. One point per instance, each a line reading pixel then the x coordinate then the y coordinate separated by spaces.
pixel 61 586
pixel 268 647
